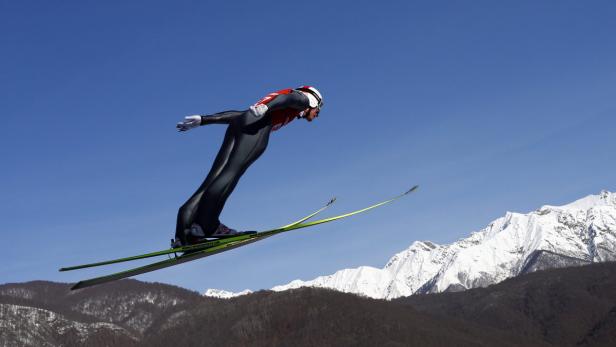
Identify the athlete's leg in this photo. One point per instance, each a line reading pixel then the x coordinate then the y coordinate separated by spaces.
pixel 188 209
pixel 249 143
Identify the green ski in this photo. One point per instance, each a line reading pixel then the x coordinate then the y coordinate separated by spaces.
pixel 195 247
pixel 228 244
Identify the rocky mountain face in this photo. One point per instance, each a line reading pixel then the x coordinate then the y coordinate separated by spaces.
pixel 578 233
pixel 564 307
pixel 557 307
pixel 48 314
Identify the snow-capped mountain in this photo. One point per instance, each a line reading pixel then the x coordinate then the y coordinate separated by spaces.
pixel 578 233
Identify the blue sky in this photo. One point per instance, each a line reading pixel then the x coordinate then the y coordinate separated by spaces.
pixel 488 106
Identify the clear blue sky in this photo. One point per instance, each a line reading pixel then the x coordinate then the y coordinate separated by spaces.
pixel 488 106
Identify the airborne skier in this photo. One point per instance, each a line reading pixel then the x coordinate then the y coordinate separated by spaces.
pixel 245 140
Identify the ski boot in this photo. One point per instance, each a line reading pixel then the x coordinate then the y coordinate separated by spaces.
pixel 191 236
pixel 224 231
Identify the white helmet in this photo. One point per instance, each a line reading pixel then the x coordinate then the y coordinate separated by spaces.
pixel 316 100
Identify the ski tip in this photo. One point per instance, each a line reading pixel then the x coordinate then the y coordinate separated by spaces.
pixel 412 189
pixel 77 285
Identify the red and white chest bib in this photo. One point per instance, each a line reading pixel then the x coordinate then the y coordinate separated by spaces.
pixel 280 117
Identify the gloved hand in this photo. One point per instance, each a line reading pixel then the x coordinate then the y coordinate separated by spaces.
pixel 189 122
pixel 259 109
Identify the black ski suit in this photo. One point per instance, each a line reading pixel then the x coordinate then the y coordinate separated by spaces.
pixel 245 140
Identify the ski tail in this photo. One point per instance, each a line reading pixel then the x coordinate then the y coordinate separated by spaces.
pixel 163 264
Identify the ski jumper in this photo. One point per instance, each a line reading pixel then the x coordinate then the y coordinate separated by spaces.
pixel 245 140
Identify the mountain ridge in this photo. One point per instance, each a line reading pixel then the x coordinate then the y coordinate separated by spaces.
pixel 564 307
pixel 577 233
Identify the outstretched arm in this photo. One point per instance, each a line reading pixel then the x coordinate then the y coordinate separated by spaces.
pixel 225 117
pixel 194 121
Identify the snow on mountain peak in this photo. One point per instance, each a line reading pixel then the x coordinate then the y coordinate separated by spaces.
pixel 581 232
pixel 604 198
pixel 223 294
